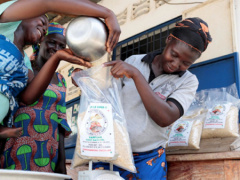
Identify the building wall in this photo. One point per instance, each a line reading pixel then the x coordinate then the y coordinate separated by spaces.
pixel 237 18
pixel 155 15
pixel 136 16
pixel 221 15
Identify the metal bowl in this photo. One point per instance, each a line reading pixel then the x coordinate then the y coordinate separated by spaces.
pixel 86 37
pixel 8 174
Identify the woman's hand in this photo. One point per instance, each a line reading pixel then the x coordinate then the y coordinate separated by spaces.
pixel 67 55
pixel 114 31
pixel 73 74
pixel 40 82
pixel 120 69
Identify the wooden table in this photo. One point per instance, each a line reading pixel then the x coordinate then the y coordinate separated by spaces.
pixel 218 158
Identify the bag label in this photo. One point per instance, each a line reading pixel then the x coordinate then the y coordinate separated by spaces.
pixel 97 135
pixel 216 116
pixel 180 132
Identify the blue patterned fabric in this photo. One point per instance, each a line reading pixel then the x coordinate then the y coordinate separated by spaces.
pixel 8 29
pixel 150 165
pixel 38 147
pixel 13 74
pixel 56 28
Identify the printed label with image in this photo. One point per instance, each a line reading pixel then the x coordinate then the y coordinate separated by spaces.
pixel 97 135
pixel 180 132
pixel 216 116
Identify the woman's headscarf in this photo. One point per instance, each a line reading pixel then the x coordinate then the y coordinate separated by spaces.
pixel 53 28
pixel 196 25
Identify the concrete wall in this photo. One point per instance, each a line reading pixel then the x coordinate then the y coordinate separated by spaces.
pixel 237 19
pixel 222 16
pixel 155 16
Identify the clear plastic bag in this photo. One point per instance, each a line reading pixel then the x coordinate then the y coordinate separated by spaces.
pixel 222 117
pixel 101 90
pixel 221 106
pixel 230 128
pixel 186 132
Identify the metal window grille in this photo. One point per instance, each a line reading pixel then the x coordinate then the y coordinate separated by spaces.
pixel 150 40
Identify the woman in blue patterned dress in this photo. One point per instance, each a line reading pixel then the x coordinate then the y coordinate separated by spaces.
pixel 13 79
pixel 15 75
pixel 44 122
pixel 30 31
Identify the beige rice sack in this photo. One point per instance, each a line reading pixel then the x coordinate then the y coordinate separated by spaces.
pixel 124 156
pixel 230 129
pixel 190 115
pixel 194 137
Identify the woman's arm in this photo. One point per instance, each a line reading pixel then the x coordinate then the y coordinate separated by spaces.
pixel 39 83
pixel 162 112
pixel 24 9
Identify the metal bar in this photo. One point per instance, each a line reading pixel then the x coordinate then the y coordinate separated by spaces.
pixel 111 166
pixel 90 166
pixel 153 40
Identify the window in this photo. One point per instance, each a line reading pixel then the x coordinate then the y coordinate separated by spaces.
pixel 145 42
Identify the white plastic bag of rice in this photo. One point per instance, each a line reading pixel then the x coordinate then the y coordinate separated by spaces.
pixel 185 133
pixel 102 133
pixel 221 121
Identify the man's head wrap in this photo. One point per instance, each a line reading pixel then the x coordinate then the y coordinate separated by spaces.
pixel 56 28
pixel 53 28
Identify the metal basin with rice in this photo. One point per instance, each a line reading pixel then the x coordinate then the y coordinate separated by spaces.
pixel 86 37
pixel 30 175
